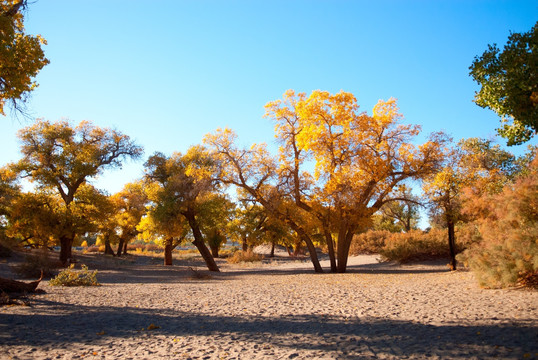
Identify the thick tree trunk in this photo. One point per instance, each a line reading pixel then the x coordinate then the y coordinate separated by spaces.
pixel 199 242
pixel 452 244
pixel 66 244
pixel 108 248
pixel 344 242
pixel 309 244
pixel 125 248
pixel 168 247
pixel 273 245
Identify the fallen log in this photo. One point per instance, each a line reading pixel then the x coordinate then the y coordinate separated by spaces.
pixel 14 286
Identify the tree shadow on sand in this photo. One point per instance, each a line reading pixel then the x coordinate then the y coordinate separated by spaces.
pixel 341 337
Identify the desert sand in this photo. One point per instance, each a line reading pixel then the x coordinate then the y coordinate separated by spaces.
pixel 276 310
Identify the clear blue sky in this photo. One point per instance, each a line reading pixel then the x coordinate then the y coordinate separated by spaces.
pixel 168 72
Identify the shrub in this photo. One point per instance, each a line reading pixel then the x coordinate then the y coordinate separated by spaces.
pixel 244 256
pixel 93 249
pixel 33 265
pixel 72 277
pixel 508 252
pixel 415 246
pixel 507 258
pixel 153 247
pixel 370 242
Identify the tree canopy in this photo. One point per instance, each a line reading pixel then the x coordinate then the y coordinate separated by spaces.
pixel 509 85
pixel 21 56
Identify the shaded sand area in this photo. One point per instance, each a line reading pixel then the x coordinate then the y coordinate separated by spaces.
pixel 280 310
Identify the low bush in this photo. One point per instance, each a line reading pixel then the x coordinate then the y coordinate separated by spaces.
pixel 72 277
pixel 370 242
pixel 508 258
pixel 93 249
pixel 244 256
pixel 415 245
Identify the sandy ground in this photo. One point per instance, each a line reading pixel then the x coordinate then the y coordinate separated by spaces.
pixel 281 310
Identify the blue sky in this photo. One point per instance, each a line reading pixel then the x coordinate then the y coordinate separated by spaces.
pixel 168 72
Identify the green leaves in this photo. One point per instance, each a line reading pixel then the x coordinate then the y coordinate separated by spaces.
pixel 509 81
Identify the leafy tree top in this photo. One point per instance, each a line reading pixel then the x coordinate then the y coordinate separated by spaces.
pixel 21 56
pixel 63 157
pixel 509 81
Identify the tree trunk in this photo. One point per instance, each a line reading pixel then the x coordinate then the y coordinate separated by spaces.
pixel 309 244
pixel 168 247
pixel 120 247
pixel 245 243
pixel 452 244
pixel 199 242
pixel 125 248
pixel 273 245
pixel 13 286
pixel 289 251
pixel 108 248
pixel 344 242
pixel 330 246
pixel 66 243
pixel 214 251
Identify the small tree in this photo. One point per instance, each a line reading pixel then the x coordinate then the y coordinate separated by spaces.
pixel 182 182
pixel 475 166
pixel 130 204
pixel 167 230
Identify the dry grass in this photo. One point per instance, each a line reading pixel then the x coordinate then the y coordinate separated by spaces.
pixel 244 256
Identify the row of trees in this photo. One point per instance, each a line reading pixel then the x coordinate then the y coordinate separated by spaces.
pixel 338 172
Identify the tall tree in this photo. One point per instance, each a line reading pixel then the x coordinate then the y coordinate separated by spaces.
pixel 509 85
pixel 21 56
pixel 183 182
pixel 358 159
pixel 254 171
pixel 61 157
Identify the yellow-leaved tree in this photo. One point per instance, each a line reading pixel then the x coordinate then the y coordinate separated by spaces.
pixel 358 160
pixel 21 56
pixel 130 204
pixel 61 159
pixel 180 185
